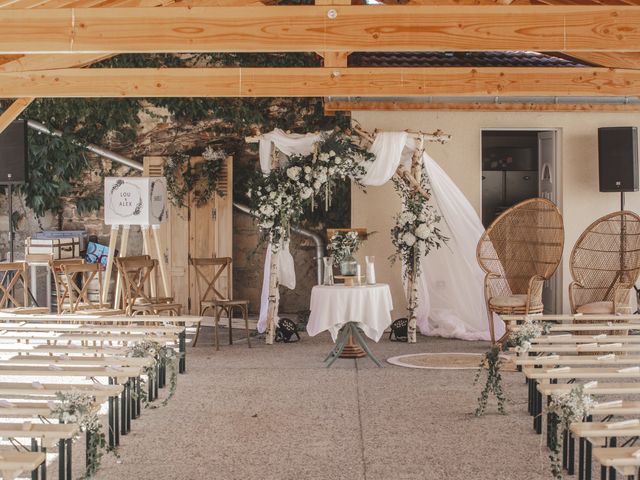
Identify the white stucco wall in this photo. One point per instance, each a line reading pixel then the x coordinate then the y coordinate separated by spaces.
pixel 580 201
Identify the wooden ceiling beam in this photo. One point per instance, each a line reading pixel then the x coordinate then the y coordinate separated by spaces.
pixel 320 28
pixel 12 112
pixel 319 82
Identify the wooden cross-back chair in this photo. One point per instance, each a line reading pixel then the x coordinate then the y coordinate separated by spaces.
pixel 80 279
pixel 14 288
pixel 60 282
pixel 208 272
pixel 605 265
pixel 135 277
pixel 519 251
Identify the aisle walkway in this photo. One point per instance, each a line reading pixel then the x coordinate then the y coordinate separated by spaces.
pixel 275 413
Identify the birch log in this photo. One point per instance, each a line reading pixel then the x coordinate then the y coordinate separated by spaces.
pixel 274 298
pixel 274 285
pixel 416 173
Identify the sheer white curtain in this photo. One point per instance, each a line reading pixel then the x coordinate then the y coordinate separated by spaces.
pixel 451 291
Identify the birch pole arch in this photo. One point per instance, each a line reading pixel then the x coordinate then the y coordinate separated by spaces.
pixel 297 169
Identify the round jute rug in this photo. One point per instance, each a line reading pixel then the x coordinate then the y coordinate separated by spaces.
pixel 447 361
pixel 444 361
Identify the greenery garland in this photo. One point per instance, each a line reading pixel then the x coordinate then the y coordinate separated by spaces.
pixel 78 407
pixel 519 339
pixel 202 178
pixel 163 355
pixel 564 409
pixel 278 199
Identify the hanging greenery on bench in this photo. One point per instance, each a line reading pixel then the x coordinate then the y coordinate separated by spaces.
pixel 201 179
pixel 278 198
pixel 520 340
pixel 162 355
pixel 564 409
pixel 77 407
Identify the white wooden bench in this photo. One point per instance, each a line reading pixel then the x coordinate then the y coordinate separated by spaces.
pixel 569 360
pixel 620 458
pixel 13 464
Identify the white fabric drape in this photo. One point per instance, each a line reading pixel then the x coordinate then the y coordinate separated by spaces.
pixel 388 148
pixel 450 291
pixel 288 144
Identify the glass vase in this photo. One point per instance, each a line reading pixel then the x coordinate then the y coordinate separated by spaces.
pixel 348 266
pixel 328 271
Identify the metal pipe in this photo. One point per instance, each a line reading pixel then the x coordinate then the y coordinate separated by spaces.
pixel 550 100
pixel 317 240
pixel 88 146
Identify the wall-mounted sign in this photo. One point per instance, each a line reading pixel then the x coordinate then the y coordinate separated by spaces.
pixel 135 200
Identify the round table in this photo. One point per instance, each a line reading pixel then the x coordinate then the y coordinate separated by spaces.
pixel 349 309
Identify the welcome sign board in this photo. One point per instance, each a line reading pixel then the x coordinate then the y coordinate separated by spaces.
pixel 135 200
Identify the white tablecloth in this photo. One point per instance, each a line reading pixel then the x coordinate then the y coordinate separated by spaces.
pixel 368 305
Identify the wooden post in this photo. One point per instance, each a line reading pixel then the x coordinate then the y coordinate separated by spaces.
pixel 124 243
pixel 161 262
pixel 107 274
pixel 274 285
pixel 416 172
pixel 146 243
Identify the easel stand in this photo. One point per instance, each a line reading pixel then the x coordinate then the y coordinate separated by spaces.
pixel 147 245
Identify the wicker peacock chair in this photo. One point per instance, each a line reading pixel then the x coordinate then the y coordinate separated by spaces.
pixel 605 265
pixel 519 251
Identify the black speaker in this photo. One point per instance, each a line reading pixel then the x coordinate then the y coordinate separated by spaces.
pixel 13 153
pixel 618 159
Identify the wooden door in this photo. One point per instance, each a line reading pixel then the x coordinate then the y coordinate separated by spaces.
pixel 204 231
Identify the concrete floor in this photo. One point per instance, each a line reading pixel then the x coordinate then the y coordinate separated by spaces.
pixel 274 412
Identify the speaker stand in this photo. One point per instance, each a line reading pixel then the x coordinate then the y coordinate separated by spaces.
pixel 12 233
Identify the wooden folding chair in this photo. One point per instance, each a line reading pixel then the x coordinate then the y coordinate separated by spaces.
pixel 14 275
pixel 210 297
pixel 135 276
pixel 59 282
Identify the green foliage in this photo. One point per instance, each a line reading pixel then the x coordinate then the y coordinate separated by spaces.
pixel 59 168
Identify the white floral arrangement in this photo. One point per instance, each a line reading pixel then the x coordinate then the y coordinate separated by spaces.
pixel 279 198
pixel 565 409
pixel 344 244
pixel 78 407
pixel 520 337
pixel 416 232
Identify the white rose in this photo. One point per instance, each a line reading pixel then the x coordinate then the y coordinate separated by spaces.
pixel 322 177
pixel 272 195
pixel 317 185
pixel 306 193
pixel 423 231
pixel 332 153
pixel 423 217
pixel 266 224
pixel 323 157
pixel 332 171
pixel 307 169
pixel 293 172
pixel 408 239
pixel 338 160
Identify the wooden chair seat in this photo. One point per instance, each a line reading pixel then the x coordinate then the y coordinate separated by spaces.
pixel 603 308
pixel 218 303
pixel 26 310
